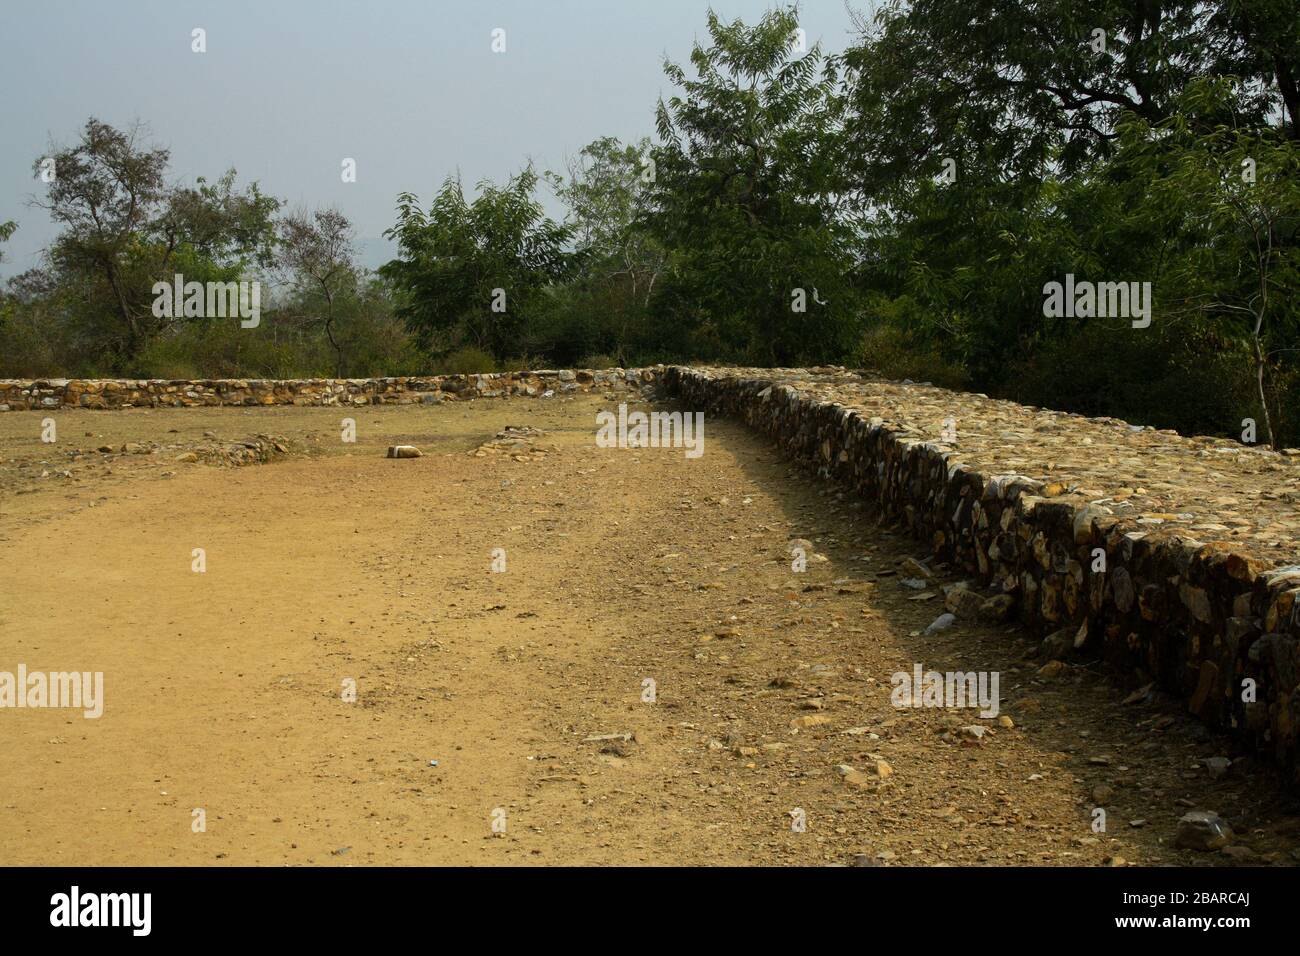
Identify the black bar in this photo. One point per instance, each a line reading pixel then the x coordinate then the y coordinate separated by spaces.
pixel 864 904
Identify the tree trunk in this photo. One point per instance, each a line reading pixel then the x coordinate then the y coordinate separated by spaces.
pixel 1259 382
pixel 338 352
pixel 132 331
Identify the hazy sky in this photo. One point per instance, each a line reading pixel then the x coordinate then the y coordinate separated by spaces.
pixel 286 90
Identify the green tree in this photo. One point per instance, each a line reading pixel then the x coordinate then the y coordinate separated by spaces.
pixel 1000 145
pixel 1236 193
pixel 124 228
pixel 749 197
pixel 1032 84
pixel 7 229
pixel 476 272
pixel 105 191
pixel 607 189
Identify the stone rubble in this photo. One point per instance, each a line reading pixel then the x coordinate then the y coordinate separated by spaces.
pixel 518 441
pixel 1202 830
pixel 258 449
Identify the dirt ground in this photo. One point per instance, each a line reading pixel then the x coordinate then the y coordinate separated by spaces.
pixel 224 690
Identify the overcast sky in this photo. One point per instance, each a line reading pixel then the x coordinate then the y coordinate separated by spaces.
pixel 286 90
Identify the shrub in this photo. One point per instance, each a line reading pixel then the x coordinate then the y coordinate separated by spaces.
pixel 894 353
pixel 466 361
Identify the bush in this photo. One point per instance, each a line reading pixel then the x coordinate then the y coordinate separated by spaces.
pixel 893 353
pixel 26 348
pixel 1167 376
pixel 466 361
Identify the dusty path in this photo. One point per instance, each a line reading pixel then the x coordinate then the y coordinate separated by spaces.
pixel 224 689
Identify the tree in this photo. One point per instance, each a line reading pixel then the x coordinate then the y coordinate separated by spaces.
pixel 316 250
pixel 219 223
pixel 7 229
pixel 608 190
pixel 105 191
pixel 476 271
pixel 1000 145
pixel 1237 196
pixel 1030 84
pixel 125 228
pixel 749 199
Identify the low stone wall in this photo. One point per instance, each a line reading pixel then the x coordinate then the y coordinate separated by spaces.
pixel 54 394
pixel 1174 559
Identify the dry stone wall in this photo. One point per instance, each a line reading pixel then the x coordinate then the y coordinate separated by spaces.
pixel 53 394
pixel 1174 559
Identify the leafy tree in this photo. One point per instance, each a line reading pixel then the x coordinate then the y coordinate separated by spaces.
pixel 219 223
pixel 1236 192
pixel 1028 84
pixel 124 229
pixel 998 146
pixel 749 195
pixel 7 229
pixel 476 272
pixel 607 190
pixel 105 191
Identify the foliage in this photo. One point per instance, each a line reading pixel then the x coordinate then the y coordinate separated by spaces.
pixel 467 360
pixel 747 198
pixel 475 272
pixel 316 253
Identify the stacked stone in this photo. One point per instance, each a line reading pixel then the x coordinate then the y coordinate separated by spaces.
pixel 52 394
pixel 1212 622
pixel 257 450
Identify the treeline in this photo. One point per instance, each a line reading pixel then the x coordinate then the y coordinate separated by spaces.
pixel 905 205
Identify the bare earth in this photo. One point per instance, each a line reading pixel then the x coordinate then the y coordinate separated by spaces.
pixel 224 689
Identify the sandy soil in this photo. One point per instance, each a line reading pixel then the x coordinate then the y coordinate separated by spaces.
pixel 224 690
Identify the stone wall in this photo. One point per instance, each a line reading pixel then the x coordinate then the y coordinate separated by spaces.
pixel 1198 589
pixel 54 394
